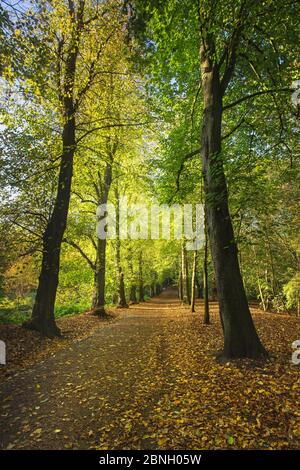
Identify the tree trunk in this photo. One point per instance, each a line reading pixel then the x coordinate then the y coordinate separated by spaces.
pixel 132 295
pixel 194 282
pixel 180 285
pixel 98 303
pixel 121 291
pixel 43 310
pixel 261 295
pixel 152 287
pixel 102 188
pixel 240 337
pixel 199 288
pixel 120 275
pixel 141 281
pixel 133 289
pixel 185 275
pixel 206 319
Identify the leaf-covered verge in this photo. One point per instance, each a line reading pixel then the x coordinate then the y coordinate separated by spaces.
pixel 26 347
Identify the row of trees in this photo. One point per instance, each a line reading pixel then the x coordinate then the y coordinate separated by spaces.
pixel 180 101
pixel 73 113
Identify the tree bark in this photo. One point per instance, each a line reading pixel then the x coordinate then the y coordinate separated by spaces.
pixel 240 337
pixel 43 310
pixel 180 285
pixel 121 290
pixel 206 318
pixel 103 188
pixel 132 294
pixel 98 302
pixel 141 281
pixel 194 282
pixel 185 275
pixel 120 275
pixel 133 281
pixel 158 289
pixel 199 288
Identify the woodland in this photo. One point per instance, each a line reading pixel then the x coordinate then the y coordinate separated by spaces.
pixel 160 102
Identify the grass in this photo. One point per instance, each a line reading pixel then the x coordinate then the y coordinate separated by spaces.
pixel 13 313
pixel 16 312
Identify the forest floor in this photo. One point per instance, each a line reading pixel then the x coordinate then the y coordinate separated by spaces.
pixel 149 380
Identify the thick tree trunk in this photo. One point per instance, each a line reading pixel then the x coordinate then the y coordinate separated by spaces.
pixel 43 310
pixel 205 277
pixel 240 337
pixel 194 282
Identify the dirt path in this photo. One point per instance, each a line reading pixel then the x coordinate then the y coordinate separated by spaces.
pixel 148 381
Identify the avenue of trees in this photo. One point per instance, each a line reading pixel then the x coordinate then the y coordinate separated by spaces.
pixel 157 101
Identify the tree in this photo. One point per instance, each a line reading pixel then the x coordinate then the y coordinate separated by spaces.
pixel 194 273
pixel 206 319
pixel 120 274
pixel 107 163
pixel 185 275
pixel 69 29
pixel 224 35
pixel 141 278
pixel 43 309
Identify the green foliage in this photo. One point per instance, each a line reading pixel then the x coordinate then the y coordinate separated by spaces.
pixel 292 292
pixel 143 114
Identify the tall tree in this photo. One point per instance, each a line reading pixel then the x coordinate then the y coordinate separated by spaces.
pixel 120 274
pixel 225 41
pixel 43 309
pixel 71 28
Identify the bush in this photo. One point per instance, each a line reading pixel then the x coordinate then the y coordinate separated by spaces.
pixel 70 309
pixel 292 292
pixel 12 312
pixel 279 304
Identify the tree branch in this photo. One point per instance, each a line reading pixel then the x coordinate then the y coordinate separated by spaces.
pixel 184 159
pixel 234 129
pixel 253 95
pixel 83 254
